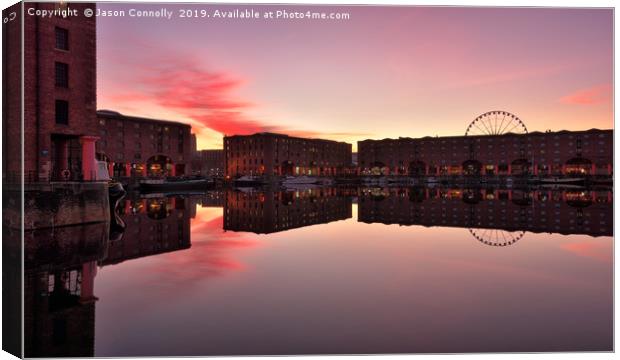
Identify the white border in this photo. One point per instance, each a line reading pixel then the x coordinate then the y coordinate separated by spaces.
pixel 489 3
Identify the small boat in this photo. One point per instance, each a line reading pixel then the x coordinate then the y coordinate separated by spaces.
pixel 560 186
pixel 153 195
pixel 327 181
pixel 290 186
pixel 172 192
pixel 431 180
pixel 352 181
pixel 559 180
pixel 248 180
pixel 246 189
pixel 175 185
pixel 300 180
pixel 375 181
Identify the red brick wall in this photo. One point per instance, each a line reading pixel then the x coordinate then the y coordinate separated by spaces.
pixel 208 162
pixel 40 91
pixel 553 149
pixel 265 153
pixel 124 138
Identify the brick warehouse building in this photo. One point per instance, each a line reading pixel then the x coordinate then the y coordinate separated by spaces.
pixel 278 155
pixel 59 95
pixel 142 147
pixel 208 163
pixel 564 152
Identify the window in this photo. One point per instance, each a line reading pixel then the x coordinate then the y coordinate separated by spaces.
pixel 62 112
pixel 62 74
pixel 62 39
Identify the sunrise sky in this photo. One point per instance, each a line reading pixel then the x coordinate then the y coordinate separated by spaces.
pixel 386 72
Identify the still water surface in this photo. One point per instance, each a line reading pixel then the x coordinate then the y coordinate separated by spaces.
pixel 357 271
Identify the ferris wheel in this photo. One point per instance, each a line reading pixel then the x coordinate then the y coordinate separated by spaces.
pixel 496 237
pixel 496 123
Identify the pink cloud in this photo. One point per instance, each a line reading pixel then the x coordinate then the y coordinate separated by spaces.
pixel 591 96
pixel 206 97
pixel 230 122
pixel 196 89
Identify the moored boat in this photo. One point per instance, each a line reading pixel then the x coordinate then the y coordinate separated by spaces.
pixel 560 180
pixel 300 180
pixel 248 180
pixel 171 185
pixel 380 181
pixel 552 186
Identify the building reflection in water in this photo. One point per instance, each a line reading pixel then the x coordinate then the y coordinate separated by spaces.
pixel 12 284
pixel 59 302
pixel 155 225
pixel 494 217
pixel 61 265
pixel 273 211
pixel 213 198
